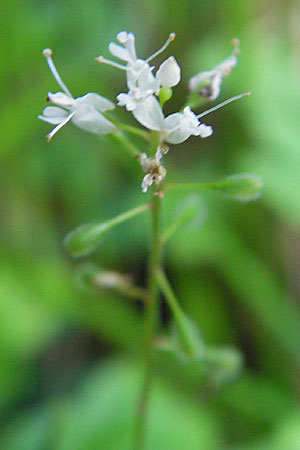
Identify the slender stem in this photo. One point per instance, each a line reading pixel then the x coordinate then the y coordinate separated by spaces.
pixel 186 332
pixel 170 297
pixel 122 139
pixel 130 128
pixel 187 186
pixel 151 319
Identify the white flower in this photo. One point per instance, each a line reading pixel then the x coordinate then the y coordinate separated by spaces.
pixel 83 111
pixel 176 128
pixel 180 126
pixel 209 81
pixel 155 172
pixel 169 72
pixel 145 86
pixel 140 80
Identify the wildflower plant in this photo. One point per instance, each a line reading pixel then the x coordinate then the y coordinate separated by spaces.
pixel 148 91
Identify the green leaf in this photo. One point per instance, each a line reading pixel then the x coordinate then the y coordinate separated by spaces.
pixel 242 187
pixel 86 238
pixel 223 364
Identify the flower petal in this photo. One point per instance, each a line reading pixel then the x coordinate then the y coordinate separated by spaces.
pixel 61 99
pixel 169 72
pixel 176 130
pixel 149 113
pixel 199 78
pixel 89 119
pixel 205 130
pixel 118 51
pixel 126 100
pixel 95 100
pixel 53 114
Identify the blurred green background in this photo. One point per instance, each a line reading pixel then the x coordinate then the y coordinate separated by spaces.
pixel 68 368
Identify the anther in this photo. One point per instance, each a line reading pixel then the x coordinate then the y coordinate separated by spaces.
pixel 158 52
pixel 47 52
pixel 100 59
pixel 235 43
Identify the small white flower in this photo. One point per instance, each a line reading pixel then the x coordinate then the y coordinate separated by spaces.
pixel 140 80
pixel 209 81
pixel 180 126
pixel 176 128
pixel 169 72
pixel 155 172
pixel 145 86
pixel 83 111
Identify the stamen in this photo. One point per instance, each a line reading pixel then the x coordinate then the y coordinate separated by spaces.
pixel 235 43
pixel 220 105
pixel 47 52
pixel 50 135
pixel 158 52
pixel 101 59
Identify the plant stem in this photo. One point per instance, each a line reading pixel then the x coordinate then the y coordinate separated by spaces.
pixel 151 318
pixel 187 336
pixel 123 140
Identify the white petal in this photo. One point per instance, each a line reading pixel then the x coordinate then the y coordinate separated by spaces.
pixel 126 100
pixel 61 99
pixel 118 51
pixel 122 37
pixel 196 80
pixel 149 113
pixel 127 39
pixel 215 87
pixel 205 130
pixel 95 100
pixel 87 118
pixel 146 80
pixel 225 66
pixel 176 128
pixel 169 72
pixel 53 114
pixel 146 162
pixel 147 182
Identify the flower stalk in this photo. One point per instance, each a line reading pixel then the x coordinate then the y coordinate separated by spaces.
pixel 150 323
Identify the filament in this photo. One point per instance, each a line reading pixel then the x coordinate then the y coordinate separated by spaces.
pixel 220 105
pixel 158 52
pixel 47 52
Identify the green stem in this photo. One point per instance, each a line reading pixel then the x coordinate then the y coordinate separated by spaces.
pixel 122 139
pixel 133 130
pixel 151 319
pixel 188 186
pixel 170 297
pixel 129 128
pixel 187 334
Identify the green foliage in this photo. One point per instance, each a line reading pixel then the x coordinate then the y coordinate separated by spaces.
pixel 241 187
pixel 86 238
